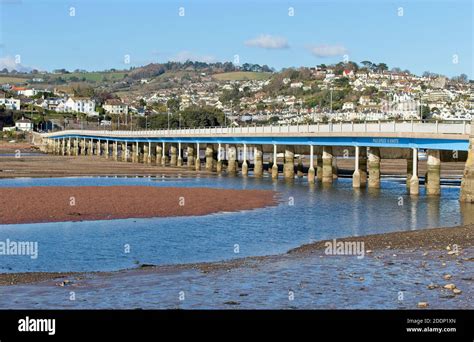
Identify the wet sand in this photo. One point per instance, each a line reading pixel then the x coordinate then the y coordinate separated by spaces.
pixel 85 203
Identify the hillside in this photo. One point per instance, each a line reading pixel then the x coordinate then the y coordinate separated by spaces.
pixel 242 76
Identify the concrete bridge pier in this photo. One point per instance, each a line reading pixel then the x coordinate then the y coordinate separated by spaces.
pixel 180 158
pixel 173 155
pixel 190 159
pixel 374 167
pixel 124 151
pixel 164 158
pixel 134 152
pixel 76 147
pixel 45 146
pixel 319 167
pixel 356 178
pixel 69 149
pixel 299 167
pixel 311 171
pixel 467 183
pixel 151 155
pixel 219 158
pixel 140 154
pixel 289 167
pixel 91 148
pixel 115 151
pixel 414 181
pixel 98 148
pixel 159 154
pixel 363 166
pixel 83 147
pixel 146 153
pixel 198 158
pixel 327 169
pixel 409 168
pixel 275 162
pixel 433 173
pixel 107 149
pixel 245 166
pixel 232 160
pixel 258 161
pixel 63 147
pixel 209 157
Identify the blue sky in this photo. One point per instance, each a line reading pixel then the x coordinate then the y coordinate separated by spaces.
pixel 103 32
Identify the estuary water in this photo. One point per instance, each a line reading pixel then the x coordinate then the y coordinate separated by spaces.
pixel 304 214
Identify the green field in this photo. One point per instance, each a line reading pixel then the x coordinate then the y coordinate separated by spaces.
pixel 93 76
pixel 242 76
pixel 11 79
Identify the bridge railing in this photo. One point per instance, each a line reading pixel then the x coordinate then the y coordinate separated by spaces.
pixel 462 127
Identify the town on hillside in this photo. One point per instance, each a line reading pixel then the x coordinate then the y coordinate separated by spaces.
pixel 197 94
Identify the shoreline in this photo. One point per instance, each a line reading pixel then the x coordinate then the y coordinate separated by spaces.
pixel 441 240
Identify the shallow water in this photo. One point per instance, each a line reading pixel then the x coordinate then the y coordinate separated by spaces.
pixel 305 213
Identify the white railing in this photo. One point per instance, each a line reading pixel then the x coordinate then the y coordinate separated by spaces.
pixel 463 128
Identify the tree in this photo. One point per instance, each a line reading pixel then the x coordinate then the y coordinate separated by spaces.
pixel 425 112
pixel 381 67
pixel 173 104
pixel 202 117
pixel 463 78
pixel 368 64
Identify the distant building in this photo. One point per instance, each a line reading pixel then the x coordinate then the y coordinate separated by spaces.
pixel 348 73
pixel 24 125
pixel 296 85
pixel 80 105
pixel 26 92
pixel 52 103
pixel 115 106
pixel 10 103
pixel 348 106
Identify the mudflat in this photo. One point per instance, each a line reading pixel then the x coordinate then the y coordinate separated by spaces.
pixel 59 204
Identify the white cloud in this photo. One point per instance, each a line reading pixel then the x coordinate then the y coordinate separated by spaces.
pixel 328 50
pixel 11 63
pixel 266 41
pixel 184 56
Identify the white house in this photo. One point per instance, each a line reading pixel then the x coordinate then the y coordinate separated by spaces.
pixel 11 103
pixel 28 92
pixel 52 103
pixel 348 106
pixel 24 125
pixel 296 85
pixel 80 105
pixel 115 106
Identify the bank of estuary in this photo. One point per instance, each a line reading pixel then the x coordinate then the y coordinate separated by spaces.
pixel 431 268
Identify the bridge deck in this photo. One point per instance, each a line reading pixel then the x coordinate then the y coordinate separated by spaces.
pixel 440 136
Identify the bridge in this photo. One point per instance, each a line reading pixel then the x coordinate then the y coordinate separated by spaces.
pixel 226 146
